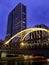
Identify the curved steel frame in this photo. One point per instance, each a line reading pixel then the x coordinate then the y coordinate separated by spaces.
pixel 25 32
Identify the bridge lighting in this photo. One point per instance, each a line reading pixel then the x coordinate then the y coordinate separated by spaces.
pixel 26 57
pixel 5 43
pixel 26 32
pixel 48 60
pixel 22 44
pixel 3 55
pixel 30 56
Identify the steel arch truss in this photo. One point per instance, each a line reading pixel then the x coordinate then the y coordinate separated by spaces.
pixel 24 33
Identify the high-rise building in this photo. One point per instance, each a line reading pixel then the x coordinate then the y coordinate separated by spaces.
pixel 16 20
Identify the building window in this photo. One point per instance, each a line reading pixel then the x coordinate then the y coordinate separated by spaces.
pixel 23 13
pixel 23 22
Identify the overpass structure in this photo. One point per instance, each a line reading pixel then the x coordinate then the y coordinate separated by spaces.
pixel 22 34
pixel 25 47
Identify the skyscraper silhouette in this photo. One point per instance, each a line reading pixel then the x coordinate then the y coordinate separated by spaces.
pixel 16 20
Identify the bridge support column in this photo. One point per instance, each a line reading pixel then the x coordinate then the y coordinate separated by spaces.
pixel 3 54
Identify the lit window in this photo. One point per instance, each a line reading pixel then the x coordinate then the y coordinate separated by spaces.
pixel 23 21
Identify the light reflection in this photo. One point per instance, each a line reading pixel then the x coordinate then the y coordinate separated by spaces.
pixel 48 60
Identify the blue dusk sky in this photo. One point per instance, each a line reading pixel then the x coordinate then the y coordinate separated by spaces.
pixel 37 13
